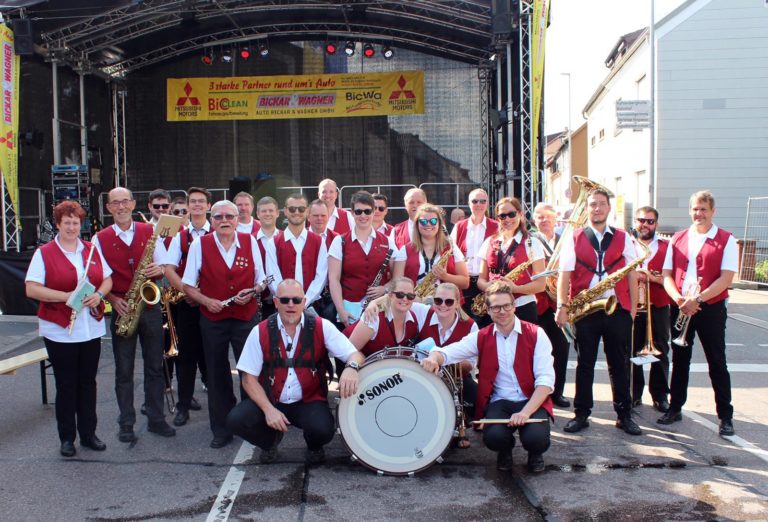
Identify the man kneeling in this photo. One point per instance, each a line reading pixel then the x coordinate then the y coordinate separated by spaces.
pixel 283 373
pixel 516 377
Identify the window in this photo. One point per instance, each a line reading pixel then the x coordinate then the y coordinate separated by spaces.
pixel 602 134
pixel 593 141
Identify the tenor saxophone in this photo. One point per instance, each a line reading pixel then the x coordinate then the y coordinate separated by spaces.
pixel 141 293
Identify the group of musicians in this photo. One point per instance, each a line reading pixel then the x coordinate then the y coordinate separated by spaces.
pixel 342 284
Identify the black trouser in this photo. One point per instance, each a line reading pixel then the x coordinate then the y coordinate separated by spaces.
pixel 187 319
pixel 709 324
pixel 615 331
pixel 527 313
pixel 247 420
pixel 74 368
pixel 498 437
pixel 659 372
pixel 560 348
pixel 150 333
pixel 217 336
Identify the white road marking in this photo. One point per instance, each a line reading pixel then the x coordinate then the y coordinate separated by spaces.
pixel 735 439
pixel 229 489
pixel 734 344
pixel 696 367
pixel 749 320
pixel 763 345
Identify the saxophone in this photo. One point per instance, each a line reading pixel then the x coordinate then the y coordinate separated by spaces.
pixel 586 302
pixel 479 306
pixel 141 292
pixel 428 284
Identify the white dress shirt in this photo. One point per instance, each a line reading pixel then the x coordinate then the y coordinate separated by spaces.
pixel 245 228
pixel 252 359
pixel 86 327
pixel 444 335
pixel 317 285
pixel 410 231
pixel 474 240
pixel 173 252
pixel 507 386
pixel 535 252
pixel 195 260
pixel 337 252
pixel 695 242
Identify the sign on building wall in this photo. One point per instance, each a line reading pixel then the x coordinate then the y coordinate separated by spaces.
pixel 295 96
pixel 633 114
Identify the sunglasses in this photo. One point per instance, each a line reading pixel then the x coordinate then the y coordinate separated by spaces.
pixel 381 209
pixel 180 212
pixel 158 206
pixel 644 220
pixel 228 217
pixel 294 300
pixel 498 308
pixel 293 210
pixel 431 221
pixel 439 301
pixel 366 211
pixel 508 215
pixel 405 295
pixel 479 201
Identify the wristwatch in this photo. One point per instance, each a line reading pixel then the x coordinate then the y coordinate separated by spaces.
pixel 353 365
pixel 101 294
pixel 699 299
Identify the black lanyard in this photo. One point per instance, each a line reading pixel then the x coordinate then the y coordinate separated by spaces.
pixel 428 263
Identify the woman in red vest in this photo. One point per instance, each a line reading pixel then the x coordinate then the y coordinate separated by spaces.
pixel 428 244
pixel 398 324
pixel 73 342
pixel 506 250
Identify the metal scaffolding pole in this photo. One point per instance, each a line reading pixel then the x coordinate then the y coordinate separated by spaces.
pixel 499 135
pixel 527 195
pixel 118 134
pixel 56 125
pixel 486 134
pixel 509 109
pixel 83 127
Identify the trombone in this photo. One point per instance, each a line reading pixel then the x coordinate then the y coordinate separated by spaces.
pixel 684 321
pixel 645 306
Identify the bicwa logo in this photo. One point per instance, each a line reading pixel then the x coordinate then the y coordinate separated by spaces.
pixel 378 389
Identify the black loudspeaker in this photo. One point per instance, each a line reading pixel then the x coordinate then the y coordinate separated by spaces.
pixel 23 38
pixel 264 184
pixel 239 184
pixel 502 14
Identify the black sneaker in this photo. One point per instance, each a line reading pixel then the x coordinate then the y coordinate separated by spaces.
pixel 93 442
pixel 576 424
pixel 268 456
pixel 560 401
pixel 126 434
pixel 504 460
pixel 161 428
pixel 535 462
pixel 670 417
pixel 67 449
pixel 726 427
pixel 662 405
pixel 181 418
pixel 315 456
pixel 629 426
pixel 194 405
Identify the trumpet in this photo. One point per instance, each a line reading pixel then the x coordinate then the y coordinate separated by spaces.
pixel 650 346
pixel 683 321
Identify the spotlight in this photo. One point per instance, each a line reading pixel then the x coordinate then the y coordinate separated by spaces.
pixel 263 50
pixel 387 52
pixel 245 53
pixel 226 56
pixel 330 48
pixel 368 51
pixel 207 58
pixel 349 48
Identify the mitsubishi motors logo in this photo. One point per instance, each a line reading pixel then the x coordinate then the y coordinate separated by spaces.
pixel 193 100
pixel 396 94
pixel 7 139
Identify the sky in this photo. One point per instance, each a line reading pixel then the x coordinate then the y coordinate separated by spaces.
pixel 580 36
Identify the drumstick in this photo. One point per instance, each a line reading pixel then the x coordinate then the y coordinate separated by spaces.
pixel 506 421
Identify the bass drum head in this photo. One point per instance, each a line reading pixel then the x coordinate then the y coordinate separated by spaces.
pixel 402 418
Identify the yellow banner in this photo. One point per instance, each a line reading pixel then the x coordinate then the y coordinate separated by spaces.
pixel 539 20
pixel 9 123
pixel 297 96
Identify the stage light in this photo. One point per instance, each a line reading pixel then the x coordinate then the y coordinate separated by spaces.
pixel 263 50
pixel 330 48
pixel 245 53
pixel 368 51
pixel 226 56
pixel 207 58
pixel 387 52
pixel 349 48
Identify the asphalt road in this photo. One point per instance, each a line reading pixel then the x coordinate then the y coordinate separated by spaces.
pixel 681 472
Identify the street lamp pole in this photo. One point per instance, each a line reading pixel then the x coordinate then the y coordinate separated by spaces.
pixel 652 109
pixel 570 132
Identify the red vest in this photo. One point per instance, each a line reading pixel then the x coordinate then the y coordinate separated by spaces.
pixel 313 387
pixel 430 331
pixel 708 261
pixel 385 337
pixel 329 237
pixel 255 227
pixel 488 365
pixel 359 270
pixel 659 296
pixel 581 277
pixel 121 258
pixel 185 239
pixel 520 256
pixel 387 229
pixel 412 262
pixel 402 236
pixel 61 275
pixel 491 227
pixel 218 281
pixel 342 222
pixel 286 257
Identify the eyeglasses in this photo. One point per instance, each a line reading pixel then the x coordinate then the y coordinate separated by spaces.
pixel 645 220
pixel 228 217
pixel 294 300
pixel 293 210
pixel 510 215
pixel 498 308
pixel 121 203
pixel 479 201
pixel 431 221
pixel 405 295
pixel 180 211
pixel 158 206
pixel 381 209
pixel 366 211
pixel 439 301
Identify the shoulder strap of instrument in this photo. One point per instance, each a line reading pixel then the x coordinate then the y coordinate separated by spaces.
pixel 504 259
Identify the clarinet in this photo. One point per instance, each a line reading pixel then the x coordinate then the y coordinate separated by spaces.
pixel 379 275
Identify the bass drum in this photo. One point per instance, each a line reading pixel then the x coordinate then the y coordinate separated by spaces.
pixel 402 419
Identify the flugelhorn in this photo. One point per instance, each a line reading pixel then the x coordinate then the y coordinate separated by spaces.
pixel 684 321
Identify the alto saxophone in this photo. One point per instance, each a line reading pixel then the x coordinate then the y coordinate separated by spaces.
pixel 479 306
pixel 428 284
